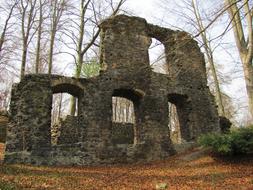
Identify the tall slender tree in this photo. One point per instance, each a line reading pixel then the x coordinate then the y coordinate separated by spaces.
pixel 57 8
pixel 7 44
pixel 209 55
pixel 28 13
pixel 6 23
pixel 41 19
pixel 243 34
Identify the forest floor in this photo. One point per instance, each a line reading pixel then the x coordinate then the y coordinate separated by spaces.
pixel 191 170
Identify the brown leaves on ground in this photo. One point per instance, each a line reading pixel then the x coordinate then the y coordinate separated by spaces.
pixel 201 173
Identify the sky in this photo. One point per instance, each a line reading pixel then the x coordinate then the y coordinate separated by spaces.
pixel 142 8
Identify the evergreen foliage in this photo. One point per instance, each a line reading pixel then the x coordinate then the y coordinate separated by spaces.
pixel 236 142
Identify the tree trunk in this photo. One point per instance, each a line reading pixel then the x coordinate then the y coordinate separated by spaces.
pixel 73 100
pixel 245 47
pixel 23 61
pixel 51 52
pixel 6 23
pixel 209 55
pixel 81 50
pixel 80 53
pixel 37 61
pixel 26 31
pixel 218 95
pixel 72 105
pixel 52 37
pixel 248 75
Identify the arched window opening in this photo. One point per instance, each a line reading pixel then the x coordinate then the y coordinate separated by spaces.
pixel 178 109
pixel 63 124
pixel 157 57
pixel 124 116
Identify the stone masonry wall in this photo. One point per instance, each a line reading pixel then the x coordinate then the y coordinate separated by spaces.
pixel 122 133
pixel 89 138
pixel 67 131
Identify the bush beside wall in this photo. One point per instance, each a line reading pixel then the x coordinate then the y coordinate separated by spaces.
pixel 236 142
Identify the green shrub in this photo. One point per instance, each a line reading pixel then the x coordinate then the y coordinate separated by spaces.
pixel 242 140
pixel 238 141
pixel 217 142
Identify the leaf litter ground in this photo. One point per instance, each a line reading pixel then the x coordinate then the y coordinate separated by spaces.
pixel 183 172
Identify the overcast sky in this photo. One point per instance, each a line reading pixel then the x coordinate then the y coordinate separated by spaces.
pixel 142 8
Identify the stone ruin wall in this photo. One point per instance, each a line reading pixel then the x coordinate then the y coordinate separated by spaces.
pixel 89 138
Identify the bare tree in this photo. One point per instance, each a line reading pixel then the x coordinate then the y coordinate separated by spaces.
pixel 7 48
pixel 243 34
pixel 81 47
pixel 57 8
pixel 85 17
pixel 42 4
pixel 6 23
pixel 7 41
pixel 28 13
pixel 209 55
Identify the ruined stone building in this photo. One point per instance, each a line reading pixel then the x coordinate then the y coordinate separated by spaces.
pixel 86 139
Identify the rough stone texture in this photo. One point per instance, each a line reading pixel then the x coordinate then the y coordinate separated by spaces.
pixel 69 130
pixel 89 138
pixel 122 133
pixel 3 125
